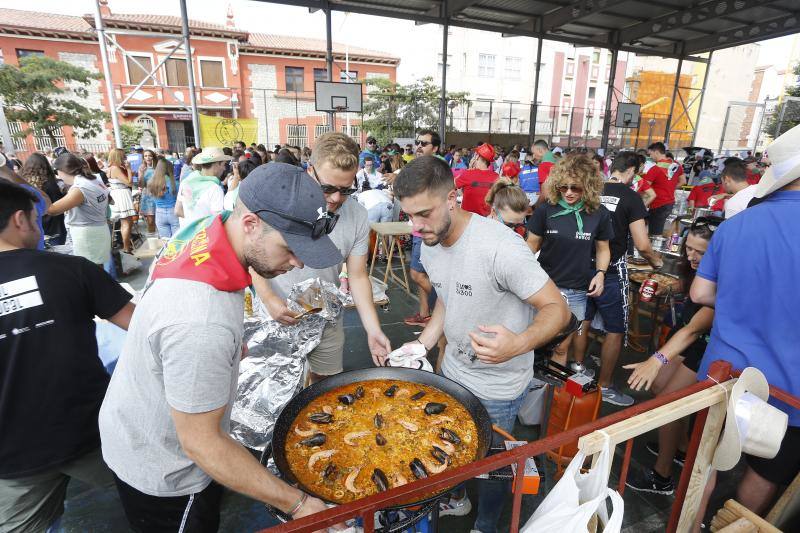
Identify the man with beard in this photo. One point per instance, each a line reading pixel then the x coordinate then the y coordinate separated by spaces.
pixel 427 143
pixel 495 306
pixel 165 419
pixel 333 165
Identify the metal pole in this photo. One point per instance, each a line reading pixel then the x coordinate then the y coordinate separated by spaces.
pixel 702 94
pixel 510 109
pixel 535 105
pixel 112 104
pixel 490 117
pixel 443 97
pixel 760 125
pixel 266 121
pixel 724 127
pixel 780 120
pixel 466 126
pixel 329 58
pixel 190 70
pixel 569 130
pixel 609 96
pixel 668 125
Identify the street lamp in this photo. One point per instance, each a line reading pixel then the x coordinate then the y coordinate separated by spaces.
pixel 651 123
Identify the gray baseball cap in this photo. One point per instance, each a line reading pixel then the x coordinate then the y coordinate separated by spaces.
pixel 289 200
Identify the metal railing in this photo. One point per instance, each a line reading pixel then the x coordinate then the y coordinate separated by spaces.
pixel 621 426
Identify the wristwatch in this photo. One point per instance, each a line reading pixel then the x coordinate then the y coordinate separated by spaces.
pixel 598 271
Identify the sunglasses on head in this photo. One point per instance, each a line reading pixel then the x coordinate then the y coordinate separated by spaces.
pixel 571 186
pixel 322 226
pixel 422 143
pixel 712 223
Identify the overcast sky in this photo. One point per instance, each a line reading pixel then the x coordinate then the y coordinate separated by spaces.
pixel 393 36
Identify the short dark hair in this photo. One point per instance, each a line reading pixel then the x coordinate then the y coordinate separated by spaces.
pixel 658 146
pixel 369 158
pixel 14 198
pixel 624 161
pixel 426 173
pixel 372 139
pixel 735 169
pixel 73 165
pixel 541 143
pixel 435 139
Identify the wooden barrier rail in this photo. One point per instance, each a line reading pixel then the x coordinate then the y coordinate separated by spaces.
pixel 707 398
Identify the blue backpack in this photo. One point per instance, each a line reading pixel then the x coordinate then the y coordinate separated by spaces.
pixel 529 178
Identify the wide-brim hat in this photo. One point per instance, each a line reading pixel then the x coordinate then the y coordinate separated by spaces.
pixel 784 154
pixel 752 425
pixel 211 154
pixel 486 151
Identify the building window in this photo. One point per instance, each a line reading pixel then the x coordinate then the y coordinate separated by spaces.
pixel 294 79
pixel 149 129
pixel 297 134
pixel 22 52
pixel 609 57
pixel 20 143
pixel 440 66
pixel 486 65
pixel 211 74
pixel 348 76
pixel 177 74
pixel 592 91
pixel 319 129
pixel 320 74
pixel 513 68
pixel 353 130
pixel 596 56
pixel 563 123
pixel 42 139
pixel 136 73
pixel 381 75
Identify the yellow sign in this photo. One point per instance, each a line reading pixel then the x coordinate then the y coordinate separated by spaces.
pixel 220 131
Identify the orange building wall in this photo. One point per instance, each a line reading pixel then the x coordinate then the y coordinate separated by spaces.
pixel 653 90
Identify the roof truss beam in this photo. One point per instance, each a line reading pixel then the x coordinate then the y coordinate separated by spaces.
pixel 702 12
pixel 574 11
pixel 767 29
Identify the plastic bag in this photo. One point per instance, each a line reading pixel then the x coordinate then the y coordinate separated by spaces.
pixel 530 413
pixel 577 497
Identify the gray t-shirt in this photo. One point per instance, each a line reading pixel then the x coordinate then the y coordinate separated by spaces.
pixel 93 211
pixel 351 237
pixel 182 351
pixel 484 279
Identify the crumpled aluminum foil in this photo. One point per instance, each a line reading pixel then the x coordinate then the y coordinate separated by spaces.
pixel 274 369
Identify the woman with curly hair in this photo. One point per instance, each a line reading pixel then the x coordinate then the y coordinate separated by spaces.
pixel 568 229
pixel 39 174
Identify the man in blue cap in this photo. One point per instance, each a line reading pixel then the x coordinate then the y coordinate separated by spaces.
pixel 165 418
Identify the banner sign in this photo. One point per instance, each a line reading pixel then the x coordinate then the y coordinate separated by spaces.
pixel 220 131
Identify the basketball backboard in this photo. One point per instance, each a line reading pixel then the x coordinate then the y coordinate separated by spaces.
pixel 338 97
pixel 627 115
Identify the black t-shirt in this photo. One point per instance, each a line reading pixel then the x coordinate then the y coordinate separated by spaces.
pixel 625 207
pixel 53 225
pixel 52 381
pixel 566 256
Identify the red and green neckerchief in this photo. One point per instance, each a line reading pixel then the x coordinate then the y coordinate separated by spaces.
pixel 201 252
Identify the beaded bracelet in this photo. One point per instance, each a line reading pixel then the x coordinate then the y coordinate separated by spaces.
pixel 661 357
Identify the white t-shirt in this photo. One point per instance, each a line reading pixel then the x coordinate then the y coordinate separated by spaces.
pixel 375 179
pixel 210 202
pixel 373 197
pixel 738 202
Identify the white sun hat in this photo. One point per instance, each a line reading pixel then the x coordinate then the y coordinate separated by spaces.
pixel 784 154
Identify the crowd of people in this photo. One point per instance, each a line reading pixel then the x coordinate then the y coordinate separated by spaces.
pixel 506 246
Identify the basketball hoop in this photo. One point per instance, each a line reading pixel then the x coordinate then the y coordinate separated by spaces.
pixel 340 108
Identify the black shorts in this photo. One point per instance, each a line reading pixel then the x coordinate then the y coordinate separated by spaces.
pixel 656 219
pixel 194 513
pixel 693 355
pixel 785 466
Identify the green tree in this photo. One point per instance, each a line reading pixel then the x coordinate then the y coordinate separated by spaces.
pixel 395 110
pixel 39 94
pixel 131 133
pixel 776 125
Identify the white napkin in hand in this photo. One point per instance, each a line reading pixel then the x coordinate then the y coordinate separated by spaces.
pixel 411 355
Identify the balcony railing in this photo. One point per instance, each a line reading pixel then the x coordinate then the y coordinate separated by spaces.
pixel 175 97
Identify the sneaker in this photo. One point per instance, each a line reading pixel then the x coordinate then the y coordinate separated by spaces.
pixel 679 459
pixel 615 397
pixel 649 481
pixel 454 507
pixel 416 320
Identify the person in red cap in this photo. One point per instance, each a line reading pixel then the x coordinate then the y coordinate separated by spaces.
pixel 477 180
pixel 510 170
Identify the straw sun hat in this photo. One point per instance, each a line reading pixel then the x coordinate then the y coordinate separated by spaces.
pixel 752 425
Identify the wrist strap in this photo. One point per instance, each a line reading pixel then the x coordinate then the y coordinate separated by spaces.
pixel 661 357
pixel 298 505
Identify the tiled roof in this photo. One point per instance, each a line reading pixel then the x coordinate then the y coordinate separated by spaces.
pixel 287 42
pixel 116 19
pixel 33 20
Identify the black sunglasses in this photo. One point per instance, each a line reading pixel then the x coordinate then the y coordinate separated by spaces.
pixel 332 189
pixel 422 143
pixel 322 226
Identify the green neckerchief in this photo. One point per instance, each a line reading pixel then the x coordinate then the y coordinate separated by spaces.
pixel 569 209
pixel 549 157
pixel 197 183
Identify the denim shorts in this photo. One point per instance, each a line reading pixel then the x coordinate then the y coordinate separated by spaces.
pixel 609 305
pixel 416 250
pixel 576 300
